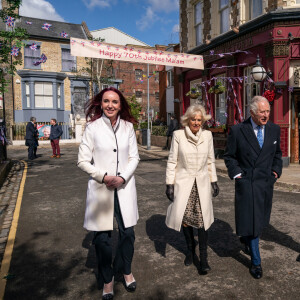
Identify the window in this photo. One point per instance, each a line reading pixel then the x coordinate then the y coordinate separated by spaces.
pixel 255 8
pixel 27 94
pixel 220 103
pixel 58 95
pixel 31 56
pixel 138 74
pixel 157 96
pixel 224 15
pixel 170 79
pixel 138 96
pixel 43 94
pixel 251 89
pixel 198 23
pixel 68 61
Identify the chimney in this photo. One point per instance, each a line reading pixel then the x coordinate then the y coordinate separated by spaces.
pixel 5 4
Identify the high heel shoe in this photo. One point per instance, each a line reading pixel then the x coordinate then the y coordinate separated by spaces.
pixel 130 286
pixel 109 295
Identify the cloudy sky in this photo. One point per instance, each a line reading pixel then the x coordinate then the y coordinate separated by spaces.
pixel 151 21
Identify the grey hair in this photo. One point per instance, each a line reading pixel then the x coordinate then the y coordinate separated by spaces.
pixel 32 119
pixel 253 105
pixel 192 111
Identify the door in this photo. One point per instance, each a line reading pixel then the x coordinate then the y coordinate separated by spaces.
pixel 295 129
pixel 79 100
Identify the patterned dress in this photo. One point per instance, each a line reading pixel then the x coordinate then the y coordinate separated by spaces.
pixel 193 214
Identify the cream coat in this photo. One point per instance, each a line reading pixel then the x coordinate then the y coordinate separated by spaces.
pixel 105 150
pixel 191 157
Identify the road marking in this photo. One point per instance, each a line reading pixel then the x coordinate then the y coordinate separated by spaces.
pixel 12 235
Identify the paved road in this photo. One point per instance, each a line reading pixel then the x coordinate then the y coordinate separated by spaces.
pixel 53 257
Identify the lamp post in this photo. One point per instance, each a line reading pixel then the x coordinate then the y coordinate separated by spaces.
pixel 258 71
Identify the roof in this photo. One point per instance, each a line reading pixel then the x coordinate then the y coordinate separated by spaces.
pixel 35 30
pixel 113 35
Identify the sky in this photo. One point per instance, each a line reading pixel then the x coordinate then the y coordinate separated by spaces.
pixel 150 21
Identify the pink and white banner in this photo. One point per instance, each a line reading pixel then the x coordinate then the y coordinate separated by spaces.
pixel 88 48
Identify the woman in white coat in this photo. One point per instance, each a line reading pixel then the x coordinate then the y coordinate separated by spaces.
pixel 108 153
pixel 190 178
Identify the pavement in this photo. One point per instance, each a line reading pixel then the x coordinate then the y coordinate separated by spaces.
pixel 53 256
pixel 290 178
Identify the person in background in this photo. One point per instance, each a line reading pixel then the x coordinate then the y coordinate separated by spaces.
pixel 36 134
pixel 171 128
pixel 253 159
pixel 30 138
pixel 55 134
pixel 191 181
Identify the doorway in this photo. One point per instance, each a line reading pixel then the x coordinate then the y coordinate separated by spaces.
pixel 295 142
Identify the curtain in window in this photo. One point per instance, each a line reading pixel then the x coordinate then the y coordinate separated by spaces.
pixel 43 95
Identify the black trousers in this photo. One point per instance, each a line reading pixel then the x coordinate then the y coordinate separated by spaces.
pixel 31 145
pixel 125 249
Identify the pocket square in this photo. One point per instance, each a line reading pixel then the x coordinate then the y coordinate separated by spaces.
pixel 275 142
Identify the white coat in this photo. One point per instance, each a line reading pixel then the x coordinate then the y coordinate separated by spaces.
pixel 191 157
pixel 111 151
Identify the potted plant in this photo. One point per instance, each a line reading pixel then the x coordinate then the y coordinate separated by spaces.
pixel 218 88
pixel 194 93
pixel 216 126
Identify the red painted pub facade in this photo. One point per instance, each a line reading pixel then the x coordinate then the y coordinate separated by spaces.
pixel 275 37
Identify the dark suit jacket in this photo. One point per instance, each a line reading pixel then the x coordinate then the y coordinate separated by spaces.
pixel 254 191
pixel 30 131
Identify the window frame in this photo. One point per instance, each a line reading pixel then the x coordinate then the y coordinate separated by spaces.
pixel 139 99
pixel 199 24
pixel 217 99
pixel 32 58
pixel 71 58
pixel 221 10
pixel 138 77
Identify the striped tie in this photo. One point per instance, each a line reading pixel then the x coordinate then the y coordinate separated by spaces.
pixel 260 136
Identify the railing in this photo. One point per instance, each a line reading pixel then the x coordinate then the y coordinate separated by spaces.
pixel 19 131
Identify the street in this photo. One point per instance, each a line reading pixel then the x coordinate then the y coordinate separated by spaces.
pixel 53 257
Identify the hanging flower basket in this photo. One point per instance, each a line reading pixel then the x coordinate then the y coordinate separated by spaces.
pixel 218 88
pixel 194 93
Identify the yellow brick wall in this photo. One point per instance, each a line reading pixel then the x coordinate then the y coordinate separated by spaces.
pixel 52 50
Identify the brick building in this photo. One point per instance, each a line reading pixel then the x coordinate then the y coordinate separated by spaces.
pixel 131 78
pixel 53 89
pixel 268 28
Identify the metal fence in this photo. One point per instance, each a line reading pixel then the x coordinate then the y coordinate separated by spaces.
pixel 19 130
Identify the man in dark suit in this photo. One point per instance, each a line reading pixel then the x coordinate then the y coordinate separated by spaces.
pixel 253 159
pixel 30 137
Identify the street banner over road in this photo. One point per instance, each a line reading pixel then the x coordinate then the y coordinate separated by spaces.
pixel 87 48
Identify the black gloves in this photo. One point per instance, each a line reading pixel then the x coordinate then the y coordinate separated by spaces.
pixel 215 189
pixel 170 192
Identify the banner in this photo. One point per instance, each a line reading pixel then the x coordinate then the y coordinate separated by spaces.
pixel 87 48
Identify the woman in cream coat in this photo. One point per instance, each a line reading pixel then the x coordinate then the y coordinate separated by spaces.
pixel 108 153
pixel 190 178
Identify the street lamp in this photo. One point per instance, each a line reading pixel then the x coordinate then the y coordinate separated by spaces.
pixel 258 71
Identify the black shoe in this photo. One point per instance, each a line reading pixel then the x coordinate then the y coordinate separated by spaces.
pixel 204 266
pixel 247 248
pixel 130 287
pixel 189 259
pixel 110 295
pixel 298 258
pixel 256 271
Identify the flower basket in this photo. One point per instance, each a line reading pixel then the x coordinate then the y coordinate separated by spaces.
pixel 218 88
pixel 193 93
pixel 269 95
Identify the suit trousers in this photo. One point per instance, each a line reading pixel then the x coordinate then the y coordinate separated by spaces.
pixel 253 243
pixel 31 145
pixel 125 248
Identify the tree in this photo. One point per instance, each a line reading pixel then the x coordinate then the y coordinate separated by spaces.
pixel 10 43
pixel 135 107
pixel 100 70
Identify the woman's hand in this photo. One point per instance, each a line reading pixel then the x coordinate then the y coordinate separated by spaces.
pixel 113 182
pixel 215 188
pixel 170 192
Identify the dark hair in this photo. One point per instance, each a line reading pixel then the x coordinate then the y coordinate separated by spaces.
pixel 54 120
pixel 93 109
